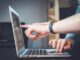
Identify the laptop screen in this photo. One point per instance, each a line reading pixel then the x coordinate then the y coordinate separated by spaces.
pixel 18 36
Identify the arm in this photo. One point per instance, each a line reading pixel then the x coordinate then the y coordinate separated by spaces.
pixel 70 24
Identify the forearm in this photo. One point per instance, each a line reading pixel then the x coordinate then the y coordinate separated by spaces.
pixel 70 24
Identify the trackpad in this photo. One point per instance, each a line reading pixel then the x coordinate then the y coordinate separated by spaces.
pixel 53 51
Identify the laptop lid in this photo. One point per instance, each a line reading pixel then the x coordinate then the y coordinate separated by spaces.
pixel 17 31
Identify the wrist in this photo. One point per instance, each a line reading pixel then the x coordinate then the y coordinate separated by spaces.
pixel 50 27
pixel 47 28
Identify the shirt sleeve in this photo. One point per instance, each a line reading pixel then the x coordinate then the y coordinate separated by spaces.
pixel 73 36
pixel 69 36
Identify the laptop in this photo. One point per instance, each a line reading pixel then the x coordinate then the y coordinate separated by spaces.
pixel 23 52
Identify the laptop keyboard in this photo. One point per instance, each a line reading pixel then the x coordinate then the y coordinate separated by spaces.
pixel 36 52
pixel 42 52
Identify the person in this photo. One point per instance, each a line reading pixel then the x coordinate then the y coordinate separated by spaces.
pixel 70 24
pixel 74 37
pixel 70 39
pixel 63 26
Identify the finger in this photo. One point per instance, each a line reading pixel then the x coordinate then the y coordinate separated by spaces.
pixel 50 42
pixel 62 45
pixel 39 35
pixel 58 45
pixel 67 47
pixel 54 44
pixel 25 26
pixel 29 34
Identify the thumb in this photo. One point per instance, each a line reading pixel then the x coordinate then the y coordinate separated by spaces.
pixel 24 26
pixel 67 47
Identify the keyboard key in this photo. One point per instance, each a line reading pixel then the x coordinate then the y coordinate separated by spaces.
pixel 29 52
pixel 36 52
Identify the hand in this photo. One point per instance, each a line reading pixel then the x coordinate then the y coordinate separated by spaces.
pixel 40 28
pixel 61 44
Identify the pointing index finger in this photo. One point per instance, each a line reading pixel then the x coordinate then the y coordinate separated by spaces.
pixel 24 26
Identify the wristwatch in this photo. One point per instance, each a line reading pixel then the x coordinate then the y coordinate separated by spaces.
pixel 50 27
